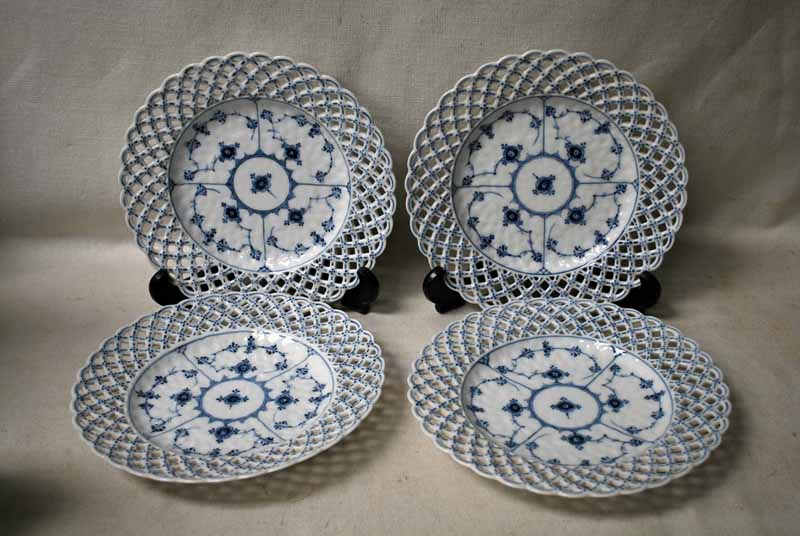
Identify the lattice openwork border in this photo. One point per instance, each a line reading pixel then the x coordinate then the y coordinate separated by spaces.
pixel 701 398
pixel 644 121
pixel 100 396
pixel 157 126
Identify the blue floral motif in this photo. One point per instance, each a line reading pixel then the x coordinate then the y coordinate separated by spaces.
pixel 261 183
pixel 182 397
pixel 555 373
pixel 513 407
pixel 222 433
pixel 285 399
pixel 510 216
pixel 230 213
pixel 510 153
pixel 576 151
pixel 576 216
pixel 235 397
pixel 616 403
pixel 295 216
pixel 220 117
pixel 565 405
pixel 242 367
pixel 228 152
pixel 292 152
pixel 576 440
pixel 544 185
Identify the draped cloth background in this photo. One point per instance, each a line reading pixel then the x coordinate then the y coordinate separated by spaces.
pixel 72 73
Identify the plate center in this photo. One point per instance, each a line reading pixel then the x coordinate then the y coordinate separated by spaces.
pixel 261 184
pixel 566 399
pixel 231 393
pixel 565 406
pixel 233 399
pixel 545 185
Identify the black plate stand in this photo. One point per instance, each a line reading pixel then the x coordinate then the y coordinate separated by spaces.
pixel 164 289
pixel 644 296
pixel 363 295
pixel 445 299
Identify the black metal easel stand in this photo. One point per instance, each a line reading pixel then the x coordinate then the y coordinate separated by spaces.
pixel 165 290
pixel 436 290
pixel 362 296
pixel 644 296
pixel 445 299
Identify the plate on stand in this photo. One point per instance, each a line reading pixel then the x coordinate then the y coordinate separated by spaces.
pixel 253 173
pixel 546 175
pixel 570 397
pixel 227 387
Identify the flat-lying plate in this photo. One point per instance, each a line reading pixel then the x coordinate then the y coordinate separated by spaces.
pixel 256 173
pixel 545 175
pixel 227 387
pixel 570 397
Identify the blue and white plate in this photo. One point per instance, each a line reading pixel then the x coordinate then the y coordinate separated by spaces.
pixel 256 173
pixel 544 175
pixel 570 397
pixel 227 387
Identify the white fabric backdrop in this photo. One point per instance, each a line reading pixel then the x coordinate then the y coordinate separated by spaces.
pixel 72 73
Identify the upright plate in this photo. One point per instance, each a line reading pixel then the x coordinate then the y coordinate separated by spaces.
pixel 255 173
pixel 544 175
pixel 570 397
pixel 227 387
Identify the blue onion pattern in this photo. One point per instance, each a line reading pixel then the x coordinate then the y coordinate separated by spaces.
pixel 231 393
pixel 545 185
pixel 534 395
pixel 270 348
pixel 259 184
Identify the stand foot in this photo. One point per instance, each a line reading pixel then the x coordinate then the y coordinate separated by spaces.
pixel 443 297
pixel 360 297
pixel 164 289
pixel 644 296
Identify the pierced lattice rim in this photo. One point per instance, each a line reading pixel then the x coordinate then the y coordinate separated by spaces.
pixel 448 417
pixel 369 391
pixel 611 276
pixel 362 238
